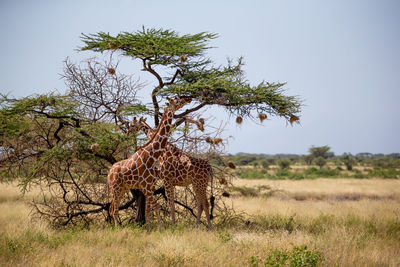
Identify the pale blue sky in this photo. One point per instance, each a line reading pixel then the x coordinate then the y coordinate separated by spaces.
pixel 341 57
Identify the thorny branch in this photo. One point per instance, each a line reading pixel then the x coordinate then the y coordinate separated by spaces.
pixel 62 156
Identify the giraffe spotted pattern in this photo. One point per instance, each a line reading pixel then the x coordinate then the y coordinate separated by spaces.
pixel 138 171
pixel 179 169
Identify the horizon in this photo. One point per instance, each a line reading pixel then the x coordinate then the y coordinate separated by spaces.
pixel 334 154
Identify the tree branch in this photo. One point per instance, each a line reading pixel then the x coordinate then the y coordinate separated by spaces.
pixel 161 191
pixel 147 67
pixel 156 106
pixel 60 126
pixel 186 112
pixel 174 77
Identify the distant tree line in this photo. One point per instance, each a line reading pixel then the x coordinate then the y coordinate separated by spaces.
pixel 319 156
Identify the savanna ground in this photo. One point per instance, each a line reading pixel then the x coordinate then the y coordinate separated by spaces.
pixel 328 222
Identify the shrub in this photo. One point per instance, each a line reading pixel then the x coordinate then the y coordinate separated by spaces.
pixel 384 173
pixel 265 164
pixel 348 161
pixel 298 256
pixel 285 174
pixel 252 173
pixel 315 173
pixel 224 236
pixel 284 164
pixel 320 162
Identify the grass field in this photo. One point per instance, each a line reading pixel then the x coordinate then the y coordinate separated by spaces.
pixel 328 222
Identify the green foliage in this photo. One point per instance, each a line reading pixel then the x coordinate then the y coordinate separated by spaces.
pixel 386 163
pixel 315 173
pixel 286 174
pixel 13 120
pixel 312 173
pixel 224 86
pixel 348 161
pixel 298 256
pixel 284 164
pixel 265 164
pixel 196 76
pixel 224 235
pixel 321 151
pixel 159 46
pixel 254 173
pixel 49 105
pixel 244 160
pixel 382 173
pixel 308 159
pixel 320 161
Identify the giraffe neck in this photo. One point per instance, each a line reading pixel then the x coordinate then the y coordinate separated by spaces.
pixel 149 132
pixel 159 139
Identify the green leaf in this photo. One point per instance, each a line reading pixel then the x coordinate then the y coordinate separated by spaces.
pixel 165 47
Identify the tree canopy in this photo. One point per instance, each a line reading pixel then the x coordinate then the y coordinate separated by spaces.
pixel 195 75
pixel 320 151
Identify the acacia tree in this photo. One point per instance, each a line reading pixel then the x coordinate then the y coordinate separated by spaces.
pixel 195 75
pixel 320 151
pixel 70 140
pixel 66 143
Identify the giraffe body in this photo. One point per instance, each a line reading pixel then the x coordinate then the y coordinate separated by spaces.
pixel 138 171
pixel 180 169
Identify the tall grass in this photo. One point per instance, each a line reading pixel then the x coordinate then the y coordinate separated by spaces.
pixel 275 230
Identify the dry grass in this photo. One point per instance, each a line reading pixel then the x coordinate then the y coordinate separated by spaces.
pixel 347 232
pixel 328 186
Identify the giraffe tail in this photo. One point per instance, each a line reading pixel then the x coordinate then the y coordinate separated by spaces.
pixel 212 198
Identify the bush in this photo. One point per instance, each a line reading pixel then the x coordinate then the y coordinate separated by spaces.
pixel 285 174
pixel 315 173
pixel 349 161
pixel 284 164
pixel 265 164
pixel 381 173
pixel 320 162
pixel 252 173
pixel 298 256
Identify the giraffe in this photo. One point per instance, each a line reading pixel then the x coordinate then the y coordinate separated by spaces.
pixel 138 171
pixel 179 169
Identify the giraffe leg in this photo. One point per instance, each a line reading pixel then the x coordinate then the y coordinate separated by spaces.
pixel 147 213
pixel 169 190
pixel 206 208
pixel 199 205
pixel 199 211
pixel 116 197
pixel 157 207
pixel 202 204
pixel 151 203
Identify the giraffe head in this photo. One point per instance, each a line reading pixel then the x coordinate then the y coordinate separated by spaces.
pixel 137 125
pixel 177 103
pixel 140 125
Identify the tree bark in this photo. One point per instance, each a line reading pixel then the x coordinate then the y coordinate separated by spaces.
pixel 140 206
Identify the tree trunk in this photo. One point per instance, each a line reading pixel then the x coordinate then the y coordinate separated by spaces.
pixel 140 206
